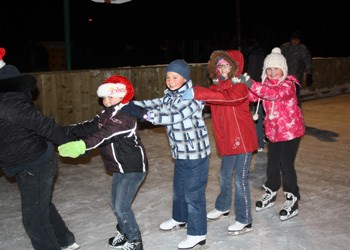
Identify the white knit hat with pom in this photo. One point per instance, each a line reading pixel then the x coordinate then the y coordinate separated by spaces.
pixel 275 60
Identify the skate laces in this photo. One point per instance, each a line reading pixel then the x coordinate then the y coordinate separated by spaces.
pixel 130 245
pixel 290 201
pixel 266 197
pixel 119 238
pixel 287 204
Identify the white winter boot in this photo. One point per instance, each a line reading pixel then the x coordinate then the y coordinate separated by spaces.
pixel 191 241
pixel 216 214
pixel 171 224
pixel 239 228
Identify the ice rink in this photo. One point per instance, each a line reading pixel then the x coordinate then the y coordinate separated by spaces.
pixel 82 191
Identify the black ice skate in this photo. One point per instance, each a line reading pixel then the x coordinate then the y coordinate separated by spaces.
pixel 118 241
pixel 290 207
pixel 132 245
pixel 267 200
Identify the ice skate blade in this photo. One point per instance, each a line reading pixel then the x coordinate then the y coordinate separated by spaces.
pixel 258 209
pixel 243 231
pixel 175 228
pixel 199 244
pixel 286 217
pixel 220 217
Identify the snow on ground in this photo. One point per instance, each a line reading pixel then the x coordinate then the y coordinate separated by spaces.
pixel 82 191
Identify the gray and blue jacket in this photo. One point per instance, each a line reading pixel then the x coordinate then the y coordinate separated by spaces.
pixel 183 119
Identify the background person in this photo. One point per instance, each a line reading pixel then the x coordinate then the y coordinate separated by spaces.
pixel 299 60
pixel 254 63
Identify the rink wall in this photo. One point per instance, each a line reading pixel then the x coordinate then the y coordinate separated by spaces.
pixel 70 96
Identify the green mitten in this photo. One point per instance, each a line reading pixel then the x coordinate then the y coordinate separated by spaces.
pixel 72 149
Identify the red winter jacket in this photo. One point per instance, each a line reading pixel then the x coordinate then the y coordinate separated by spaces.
pixel 233 125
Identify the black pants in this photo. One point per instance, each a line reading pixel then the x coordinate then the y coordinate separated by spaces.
pixel 298 94
pixel 280 166
pixel 42 222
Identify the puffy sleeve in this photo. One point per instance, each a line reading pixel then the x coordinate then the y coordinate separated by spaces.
pixel 233 96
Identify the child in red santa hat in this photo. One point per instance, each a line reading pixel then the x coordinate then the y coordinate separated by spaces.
pixel 114 132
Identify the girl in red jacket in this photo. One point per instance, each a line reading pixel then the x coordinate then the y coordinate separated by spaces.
pixel 234 132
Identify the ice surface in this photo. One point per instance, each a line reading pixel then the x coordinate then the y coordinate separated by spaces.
pixel 82 191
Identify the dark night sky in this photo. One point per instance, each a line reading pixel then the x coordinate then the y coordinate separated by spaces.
pixel 146 26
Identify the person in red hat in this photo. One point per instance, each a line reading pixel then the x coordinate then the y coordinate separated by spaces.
pixel 114 132
pixel 2 53
pixel 26 132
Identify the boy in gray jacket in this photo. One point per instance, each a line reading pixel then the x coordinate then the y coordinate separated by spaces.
pixel 190 148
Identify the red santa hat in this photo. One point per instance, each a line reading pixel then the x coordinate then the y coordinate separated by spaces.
pixel 117 86
pixel 2 53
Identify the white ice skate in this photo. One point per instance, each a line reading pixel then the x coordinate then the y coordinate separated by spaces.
pixel 216 214
pixel 171 225
pixel 239 228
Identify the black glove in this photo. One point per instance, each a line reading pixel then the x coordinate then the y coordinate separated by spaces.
pixel 69 133
pixel 135 111
pixel 308 80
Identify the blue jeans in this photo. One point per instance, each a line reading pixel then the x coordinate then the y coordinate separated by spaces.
pixel 42 222
pixel 240 164
pixel 124 189
pixel 189 201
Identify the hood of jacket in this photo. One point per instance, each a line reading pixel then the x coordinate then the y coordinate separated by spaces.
pixel 21 83
pixel 233 57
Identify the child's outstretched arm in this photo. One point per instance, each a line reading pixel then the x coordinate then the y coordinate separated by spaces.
pixel 135 111
pixel 72 149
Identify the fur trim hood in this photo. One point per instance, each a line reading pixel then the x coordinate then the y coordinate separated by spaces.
pixel 233 57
